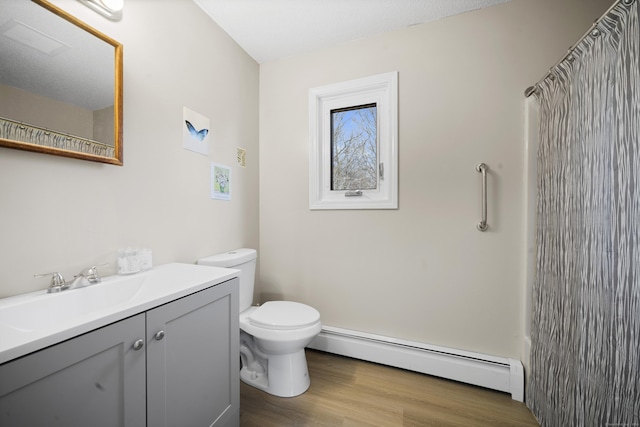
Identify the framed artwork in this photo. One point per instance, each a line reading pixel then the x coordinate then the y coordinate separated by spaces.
pixel 220 182
pixel 195 128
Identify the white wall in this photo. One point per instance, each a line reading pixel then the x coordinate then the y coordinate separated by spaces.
pixel 59 214
pixel 531 143
pixel 422 272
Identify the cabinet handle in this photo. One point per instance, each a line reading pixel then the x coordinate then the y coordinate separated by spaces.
pixel 159 335
pixel 138 345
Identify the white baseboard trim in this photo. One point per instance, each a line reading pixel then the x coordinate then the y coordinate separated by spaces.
pixel 496 373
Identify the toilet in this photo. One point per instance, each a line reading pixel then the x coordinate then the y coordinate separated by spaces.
pixel 272 336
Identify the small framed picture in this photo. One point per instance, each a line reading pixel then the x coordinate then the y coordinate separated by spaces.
pixel 220 182
pixel 195 128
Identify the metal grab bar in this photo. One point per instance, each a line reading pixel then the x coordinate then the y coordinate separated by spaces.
pixel 482 168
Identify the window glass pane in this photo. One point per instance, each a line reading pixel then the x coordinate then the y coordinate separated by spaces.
pixel 354 148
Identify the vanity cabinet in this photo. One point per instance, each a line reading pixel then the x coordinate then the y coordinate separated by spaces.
pixel 96 379
pixel 173 365
pixel 193 358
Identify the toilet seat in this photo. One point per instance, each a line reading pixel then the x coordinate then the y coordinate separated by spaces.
pixel 284 315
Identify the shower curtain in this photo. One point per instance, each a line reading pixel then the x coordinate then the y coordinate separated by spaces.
pixel 585 326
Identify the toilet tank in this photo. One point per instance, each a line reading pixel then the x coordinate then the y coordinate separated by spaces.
pixel 242 259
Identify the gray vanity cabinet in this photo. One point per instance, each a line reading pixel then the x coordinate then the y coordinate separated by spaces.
pixel 95 379
pixel 193 360
pixel 175 365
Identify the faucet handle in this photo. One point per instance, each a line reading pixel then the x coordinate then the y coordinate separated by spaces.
pixel 57 281
pixel 91 273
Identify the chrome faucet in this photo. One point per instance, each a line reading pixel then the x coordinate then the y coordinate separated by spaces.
pixel 86 277
pixel 89 275
pixel 57 283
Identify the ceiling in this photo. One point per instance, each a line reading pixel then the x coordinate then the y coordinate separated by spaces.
pixel 274 29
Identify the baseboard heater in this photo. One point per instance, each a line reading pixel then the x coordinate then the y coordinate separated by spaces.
pixel 496 373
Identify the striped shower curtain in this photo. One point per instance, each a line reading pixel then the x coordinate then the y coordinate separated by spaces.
pixel 585 355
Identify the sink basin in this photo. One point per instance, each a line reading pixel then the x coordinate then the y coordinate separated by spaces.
pixel 36 320
pixel 33 313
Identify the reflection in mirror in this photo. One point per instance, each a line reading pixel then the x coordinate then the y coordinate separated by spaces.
pixel 60 84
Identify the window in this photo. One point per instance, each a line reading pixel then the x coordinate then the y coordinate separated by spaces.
pixel 353 161
pixel 354 148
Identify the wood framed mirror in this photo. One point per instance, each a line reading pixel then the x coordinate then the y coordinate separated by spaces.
pixel 60 84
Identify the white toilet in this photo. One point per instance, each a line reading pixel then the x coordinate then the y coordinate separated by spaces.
pixel 272 336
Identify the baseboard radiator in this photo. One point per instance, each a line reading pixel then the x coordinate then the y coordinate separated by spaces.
pixel 496 373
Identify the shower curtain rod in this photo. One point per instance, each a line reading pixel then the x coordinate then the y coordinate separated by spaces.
pixel 593 32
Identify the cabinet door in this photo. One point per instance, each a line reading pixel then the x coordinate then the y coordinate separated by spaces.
pixel 96 379
pixel 193 364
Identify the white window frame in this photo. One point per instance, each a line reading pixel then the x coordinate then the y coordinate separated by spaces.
pixel 381 89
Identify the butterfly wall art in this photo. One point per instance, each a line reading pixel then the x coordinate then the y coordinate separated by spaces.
pixel 197 134
pixel 195 130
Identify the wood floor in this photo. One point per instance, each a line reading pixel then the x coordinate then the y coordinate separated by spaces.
pixel 349 392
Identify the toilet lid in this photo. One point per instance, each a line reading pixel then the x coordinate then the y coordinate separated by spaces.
pixel 284 315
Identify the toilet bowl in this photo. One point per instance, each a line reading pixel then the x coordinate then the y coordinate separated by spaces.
pixel 272 336
pixel 276 334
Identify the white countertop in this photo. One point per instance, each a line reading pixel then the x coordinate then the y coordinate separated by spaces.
pixel 36 320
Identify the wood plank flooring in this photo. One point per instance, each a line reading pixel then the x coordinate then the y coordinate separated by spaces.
pixel 348 392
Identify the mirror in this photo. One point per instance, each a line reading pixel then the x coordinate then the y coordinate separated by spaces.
pixel 60 84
